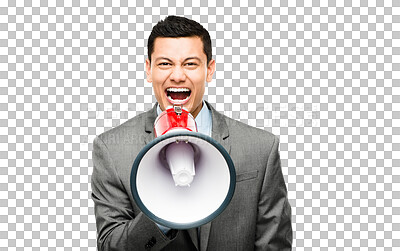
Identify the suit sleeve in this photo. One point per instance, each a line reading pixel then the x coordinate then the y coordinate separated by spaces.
pixel 118 228
pixel 274 228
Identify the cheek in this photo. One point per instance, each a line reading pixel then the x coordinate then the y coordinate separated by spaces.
pixel 159 77
pixel 199 93
pixel 156 77
pixel 198 77
pixel 198 81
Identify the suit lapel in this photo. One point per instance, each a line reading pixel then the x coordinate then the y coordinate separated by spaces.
pixel 220 130
pixel 193 235
pixel 150 117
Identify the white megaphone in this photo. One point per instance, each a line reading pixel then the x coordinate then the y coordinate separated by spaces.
pixel 182 179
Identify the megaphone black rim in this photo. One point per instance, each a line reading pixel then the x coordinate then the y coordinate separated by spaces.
pixel 174 225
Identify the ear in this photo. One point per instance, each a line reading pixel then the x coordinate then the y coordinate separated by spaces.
pixel 148 71
pixel 210 70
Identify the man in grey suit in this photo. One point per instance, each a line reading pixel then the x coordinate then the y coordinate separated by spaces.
pixel 259 215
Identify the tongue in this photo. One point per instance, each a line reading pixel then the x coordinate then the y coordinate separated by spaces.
pixel 178 95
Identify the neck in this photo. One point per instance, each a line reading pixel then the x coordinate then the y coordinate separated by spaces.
pixel 197 111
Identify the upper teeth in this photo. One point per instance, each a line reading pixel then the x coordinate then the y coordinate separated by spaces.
pixel 178 90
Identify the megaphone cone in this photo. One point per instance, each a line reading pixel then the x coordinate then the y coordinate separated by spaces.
pixel 182 179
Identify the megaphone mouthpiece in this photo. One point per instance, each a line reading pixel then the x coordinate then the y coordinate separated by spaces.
pixel 178 109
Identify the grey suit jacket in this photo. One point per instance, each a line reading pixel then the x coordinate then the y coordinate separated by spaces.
pixel 257 218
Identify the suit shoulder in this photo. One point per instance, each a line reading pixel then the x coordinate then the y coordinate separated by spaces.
pixel 248 142
pixel 238 127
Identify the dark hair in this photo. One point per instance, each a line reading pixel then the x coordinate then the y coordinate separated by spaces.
pixel 174 26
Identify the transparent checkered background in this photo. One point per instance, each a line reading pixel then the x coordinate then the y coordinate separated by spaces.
pixel 324 75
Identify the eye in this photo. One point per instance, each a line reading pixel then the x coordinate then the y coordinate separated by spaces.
pixel 191 64
pixel 164 65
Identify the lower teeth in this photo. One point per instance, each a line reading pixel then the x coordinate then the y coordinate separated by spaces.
pixel 177 99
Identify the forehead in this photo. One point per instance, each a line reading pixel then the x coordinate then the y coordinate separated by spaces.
pixel 178 48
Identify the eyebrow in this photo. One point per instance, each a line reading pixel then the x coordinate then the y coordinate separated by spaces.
pixel 186 59
pixel 189 58
pixel 163 58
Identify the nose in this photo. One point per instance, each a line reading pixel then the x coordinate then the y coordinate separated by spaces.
pixel 178 74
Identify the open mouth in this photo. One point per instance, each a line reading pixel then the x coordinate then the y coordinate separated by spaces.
pixel 178 96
